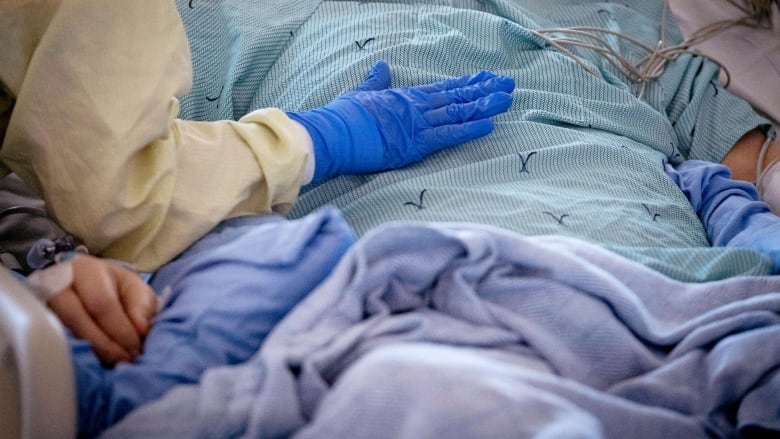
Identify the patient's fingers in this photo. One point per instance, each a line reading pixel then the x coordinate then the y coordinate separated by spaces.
pixel 68 307
pixel 96 286
pixel 138 299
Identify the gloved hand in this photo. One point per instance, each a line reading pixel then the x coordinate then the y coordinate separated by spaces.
pixel 374 128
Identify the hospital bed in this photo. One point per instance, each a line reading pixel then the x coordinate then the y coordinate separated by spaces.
pixel 36 378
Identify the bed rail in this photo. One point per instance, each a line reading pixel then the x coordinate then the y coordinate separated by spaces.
pixel 36 374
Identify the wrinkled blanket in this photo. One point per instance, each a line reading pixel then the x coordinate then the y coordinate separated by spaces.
pixel 448 330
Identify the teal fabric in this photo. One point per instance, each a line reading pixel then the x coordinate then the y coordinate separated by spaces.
pixel 577 155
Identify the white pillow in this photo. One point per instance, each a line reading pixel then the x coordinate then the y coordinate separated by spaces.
pixel 752 56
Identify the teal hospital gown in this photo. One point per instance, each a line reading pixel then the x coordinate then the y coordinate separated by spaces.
pixel 577 155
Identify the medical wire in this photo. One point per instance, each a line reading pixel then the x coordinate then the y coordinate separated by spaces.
pixel 23 210
pixel 652 65
pixel 771 135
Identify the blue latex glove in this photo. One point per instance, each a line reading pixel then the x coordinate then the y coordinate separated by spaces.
pixel 374 128
pixel 731 210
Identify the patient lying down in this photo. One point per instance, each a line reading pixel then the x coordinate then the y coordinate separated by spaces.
pixel 222 297
pixel 224 294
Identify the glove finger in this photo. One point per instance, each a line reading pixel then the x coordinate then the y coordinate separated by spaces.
pixel 471 92
pixel 450 83
pixel 445 136
pixel 377 79
pixel 482 108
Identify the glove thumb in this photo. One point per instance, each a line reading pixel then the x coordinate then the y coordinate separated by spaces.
pixel 377 79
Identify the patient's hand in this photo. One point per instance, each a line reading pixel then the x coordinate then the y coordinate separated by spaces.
pixel 108 305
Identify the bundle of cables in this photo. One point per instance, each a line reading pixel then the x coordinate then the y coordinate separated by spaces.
pixel 757 14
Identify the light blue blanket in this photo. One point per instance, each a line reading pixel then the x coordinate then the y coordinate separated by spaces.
pixel 577 155
pixel 469 331
pixel 222 297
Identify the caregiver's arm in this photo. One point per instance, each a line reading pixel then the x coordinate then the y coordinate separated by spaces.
pixel 93 129
pixel 117 169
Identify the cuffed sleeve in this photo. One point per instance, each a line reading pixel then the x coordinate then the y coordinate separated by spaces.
pixel 707 119
pixel 94 130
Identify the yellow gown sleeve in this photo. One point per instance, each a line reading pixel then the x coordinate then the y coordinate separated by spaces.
pixel 94 130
